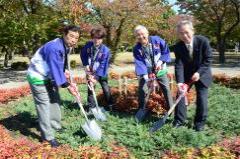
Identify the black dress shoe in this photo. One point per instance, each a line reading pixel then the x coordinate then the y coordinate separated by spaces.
pixel 107 108
pixel 61 130
pixel 110 107
pixel 177 124
pixel 54 143
pixel 198 128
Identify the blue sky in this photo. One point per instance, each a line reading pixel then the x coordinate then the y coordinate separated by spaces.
pixel 174 7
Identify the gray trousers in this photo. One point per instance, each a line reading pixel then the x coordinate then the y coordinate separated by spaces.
pixel 47 101
pixel 143 90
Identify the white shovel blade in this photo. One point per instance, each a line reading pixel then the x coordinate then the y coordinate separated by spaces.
pixel 98 114
pixel 92 130
pixel 102 109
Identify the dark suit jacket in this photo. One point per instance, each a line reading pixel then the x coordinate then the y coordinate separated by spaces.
pixel 185 66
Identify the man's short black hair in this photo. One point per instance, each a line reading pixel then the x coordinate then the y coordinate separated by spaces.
pixel 73 28
pixel 98 32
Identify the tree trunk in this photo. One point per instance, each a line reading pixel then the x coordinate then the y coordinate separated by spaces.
pixel 221 50
pixel 108 36
pixel 118 34
pixel 114 54
pixel 110 42
pixel 6 59
pixel 11 55
pixel 117 40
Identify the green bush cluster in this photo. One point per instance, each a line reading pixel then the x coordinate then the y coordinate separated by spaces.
pixel 19 65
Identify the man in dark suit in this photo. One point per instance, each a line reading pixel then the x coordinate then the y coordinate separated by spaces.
pixel 193 59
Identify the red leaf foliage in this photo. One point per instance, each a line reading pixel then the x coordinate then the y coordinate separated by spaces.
pixel 232 144
pixel 228 148
pixel 7 95
pixel 231 82
pixel 126 99
pixel 15 148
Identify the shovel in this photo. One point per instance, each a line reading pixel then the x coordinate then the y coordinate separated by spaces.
pixel 142 112
pixel 158 124
pixel 90 127
pixel 97 111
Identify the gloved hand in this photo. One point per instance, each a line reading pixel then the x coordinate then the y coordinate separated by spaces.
pixel 150 81
pixel 90 75
pixel 88 70
pixel 72 88
pixel 151 76
pixel 92 79
pixel 182 88
pixel 195 77
pixel 67 74
pixel 159 66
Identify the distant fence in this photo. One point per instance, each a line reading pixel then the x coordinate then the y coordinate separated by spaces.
pixel 226 51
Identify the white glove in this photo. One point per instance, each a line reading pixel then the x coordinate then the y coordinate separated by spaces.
pixel 182 88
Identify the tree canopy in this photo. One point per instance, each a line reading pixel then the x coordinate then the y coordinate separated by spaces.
pixel 218 19
pixel 26 24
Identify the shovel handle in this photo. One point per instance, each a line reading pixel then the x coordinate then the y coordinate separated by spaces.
pixel 91 87
pixel 81 107
pixel 77 96
pixel 190 83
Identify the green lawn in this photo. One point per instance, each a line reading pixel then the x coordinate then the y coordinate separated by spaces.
pixel 223 121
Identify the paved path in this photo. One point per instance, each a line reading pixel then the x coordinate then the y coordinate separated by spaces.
pixel 14 79
pixel 230 71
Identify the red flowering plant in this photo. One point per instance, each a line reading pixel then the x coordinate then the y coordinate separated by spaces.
pixel 7 95
pixel 24 148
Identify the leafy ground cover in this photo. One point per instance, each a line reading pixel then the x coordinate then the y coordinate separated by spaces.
pixel 121 129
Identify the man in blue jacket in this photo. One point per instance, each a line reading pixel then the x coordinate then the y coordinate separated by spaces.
pixel 151 54
pixel 95 57
pixel 45 75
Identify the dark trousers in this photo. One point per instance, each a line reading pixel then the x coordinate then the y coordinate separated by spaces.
pixel 201 109
pixel 106 91
pixel 143 90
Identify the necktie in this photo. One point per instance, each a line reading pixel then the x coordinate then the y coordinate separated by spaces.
pixel 66 60
pixel 149 54
pixel 189 47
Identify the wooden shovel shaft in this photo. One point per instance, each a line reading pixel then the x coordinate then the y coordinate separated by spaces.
pixel 91 87
pixel 175 104
pixel 77 97
pixel 81 107
pixel 180 97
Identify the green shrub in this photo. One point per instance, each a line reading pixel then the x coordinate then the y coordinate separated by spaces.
pixel 19 65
